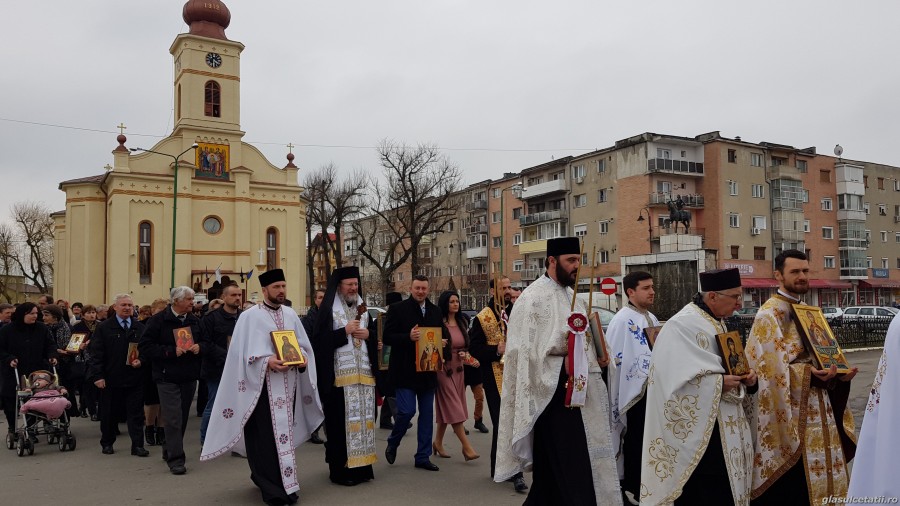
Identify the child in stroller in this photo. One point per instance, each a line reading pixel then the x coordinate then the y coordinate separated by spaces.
pixel 42 411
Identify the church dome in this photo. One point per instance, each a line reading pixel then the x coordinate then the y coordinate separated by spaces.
pixel 207 18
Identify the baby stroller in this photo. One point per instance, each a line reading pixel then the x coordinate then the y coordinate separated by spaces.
pixel 46 416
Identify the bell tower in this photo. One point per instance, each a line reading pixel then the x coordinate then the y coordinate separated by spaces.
pixel 207 73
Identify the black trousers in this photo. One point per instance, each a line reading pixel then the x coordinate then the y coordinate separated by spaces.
pixel 632 446
pixel 175 406
pixel 202 396
pixel 562 467
pixel 262 453
pixel 791 488
pixel 111 400
pixel 709 483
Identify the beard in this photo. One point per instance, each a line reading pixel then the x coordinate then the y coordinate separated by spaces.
pixel 350 299
pixel 276 300
pixel 797 288
pixel 565 278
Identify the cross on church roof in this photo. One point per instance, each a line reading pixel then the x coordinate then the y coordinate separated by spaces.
pixel 290 147
pixel 122 127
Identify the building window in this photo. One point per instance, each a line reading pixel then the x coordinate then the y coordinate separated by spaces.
pixel 898 262
pixel 517 239
pixel 883 236
pixel 882 209
pixel 213 99
pixel 881 183
pixel 758 191
pixel 497 242
pixel 735 250
pixel 868 262
pixel 825 176
pixel 884 263
pixel 734 220
pixel 732 156
pixel 145 252
pixel 827 233
pixel 806 225
pixel 450 226
pixel 866 208
pixel 517 213
pixel 604 257
pixel 868 236
pixel 829 262
pixel 496 216
pixel 897 185
pixel 212 225
pixel 759 253
pixel 580 230
pixel 578 171
pixel 601 166
pixel 826 204
pixel 801 164
pixel 866 181
pixel 495 192
pixel 579 200
pixel 517 265
pixel 604 227
pixel 663 153
pixel 558 176
pixel 271 248
pixel 732 188
pixel 759 222
pixel 756 159
pixel 897 237
pixel 601 196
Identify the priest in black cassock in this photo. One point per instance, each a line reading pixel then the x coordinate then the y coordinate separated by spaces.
pixel 346 360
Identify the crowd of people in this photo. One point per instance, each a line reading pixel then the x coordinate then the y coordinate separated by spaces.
pixel 643 421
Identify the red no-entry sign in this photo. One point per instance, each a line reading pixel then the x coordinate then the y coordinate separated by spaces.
pixel 608 286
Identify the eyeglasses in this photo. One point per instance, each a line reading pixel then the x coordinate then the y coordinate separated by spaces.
pixel 733 296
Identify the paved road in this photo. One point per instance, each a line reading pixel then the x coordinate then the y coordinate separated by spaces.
pixel 85 476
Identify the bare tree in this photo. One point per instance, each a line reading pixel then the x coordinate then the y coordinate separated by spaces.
pixel 8 270
pixel 413 201
pixel 26 246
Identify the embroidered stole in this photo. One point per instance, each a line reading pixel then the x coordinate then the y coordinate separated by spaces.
pixel 281 393
pixel 494 336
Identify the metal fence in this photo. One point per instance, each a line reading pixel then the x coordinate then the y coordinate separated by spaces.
pixel 857 334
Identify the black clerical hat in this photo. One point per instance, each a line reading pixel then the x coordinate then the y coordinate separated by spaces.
pixel 719 279
pixel 343 273
pixel 392 297
pixel 563 246
pixel 269 277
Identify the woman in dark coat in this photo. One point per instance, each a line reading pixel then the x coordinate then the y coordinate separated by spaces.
pixel 25 344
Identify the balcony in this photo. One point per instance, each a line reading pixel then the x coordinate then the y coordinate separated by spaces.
pixel 535 218
pixel 476 205
pixel 543 189
pixel 784 171
pixel 476 279
pixel 690 201
pixel 478 228
pixel 675 166
pixel 476 252
pixel 532 247
pixel 532 274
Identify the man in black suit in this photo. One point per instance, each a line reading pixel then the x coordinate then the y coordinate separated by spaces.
pixel 401 331
pixel 176 369
pixel 116 371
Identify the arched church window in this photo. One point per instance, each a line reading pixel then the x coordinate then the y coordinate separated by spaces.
pixel 145 252
pixel 213 99
pixel 271 248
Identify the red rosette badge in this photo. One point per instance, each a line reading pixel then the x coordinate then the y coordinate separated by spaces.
pixel 577 322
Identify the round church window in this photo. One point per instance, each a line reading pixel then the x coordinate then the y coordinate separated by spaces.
pixel 212 225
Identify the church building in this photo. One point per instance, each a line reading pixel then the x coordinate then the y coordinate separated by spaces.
pixel 198 200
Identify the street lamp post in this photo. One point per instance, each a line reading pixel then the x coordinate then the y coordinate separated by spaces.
pixel 174 200
pixel 517 193
pixel 649 225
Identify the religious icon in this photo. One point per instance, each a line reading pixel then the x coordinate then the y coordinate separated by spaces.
pixel 818 338
pixel 75 342
pixel 287 348
pixel 184 338
pixel 428 350
pixel 733 353
pixel 596 331
pixel 650 334
pixel 212 161
pixel 132 353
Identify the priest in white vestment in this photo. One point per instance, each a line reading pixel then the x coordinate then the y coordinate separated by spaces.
pixel 570 450
pixel 875 467
pixel 698 448
pixel 264 409
pixel 628 379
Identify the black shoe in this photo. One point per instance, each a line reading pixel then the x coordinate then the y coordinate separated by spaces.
pixel 178 469
pixel 347 482
pixel 388 426
pixel 117 431
pixel 165 455
pixel 108 450
pixel 84 413
pixel 138 451
pixel 315 439
pixel 95 418
pixel 519 484
pixel 479 425
pixel 161 436
pixel 150 434
pixel 390 454
pixel 428 466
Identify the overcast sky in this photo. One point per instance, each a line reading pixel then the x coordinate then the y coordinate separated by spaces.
pixel 501 85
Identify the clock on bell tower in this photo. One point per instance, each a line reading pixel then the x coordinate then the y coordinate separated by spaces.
pixel 207 71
